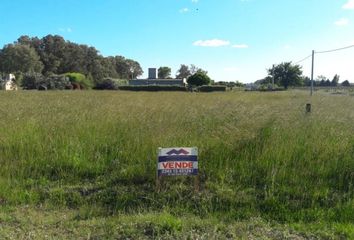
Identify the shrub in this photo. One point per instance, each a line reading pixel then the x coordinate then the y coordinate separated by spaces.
pixel 81 79
pixel 199 79
pixel 32 80
pixel 121 82
pixel 214 88
pixel 229 84
pixel 110 84
pixel 106 84
pixel 38 81
pixel 269 88
pixel 56 82
pixel 153 88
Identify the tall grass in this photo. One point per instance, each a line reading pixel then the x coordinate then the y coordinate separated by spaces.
pixel 260 154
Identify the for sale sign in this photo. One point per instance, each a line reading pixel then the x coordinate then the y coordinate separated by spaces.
pixel 179 161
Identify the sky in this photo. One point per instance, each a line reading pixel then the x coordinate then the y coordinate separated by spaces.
pixel 234 40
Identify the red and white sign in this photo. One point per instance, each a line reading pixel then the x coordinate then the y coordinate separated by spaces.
pixel 177 161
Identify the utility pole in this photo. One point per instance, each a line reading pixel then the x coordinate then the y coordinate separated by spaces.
pixel 313 62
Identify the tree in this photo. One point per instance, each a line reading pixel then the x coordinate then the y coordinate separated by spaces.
pixel 335 80
pixel 74 59
pixel 306 81
pixel 321 80
pixel 198 79
pixel 126 68
pixel 286 74
pixel 52 54
pixel 52 51
pixel 183 72
pixel 164 72
pixel 135 68
pixel 346 83
pixel 194 69
pixel 101 68
pixel 19 58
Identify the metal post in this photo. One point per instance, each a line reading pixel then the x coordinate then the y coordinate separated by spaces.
pixel 158 178
pixel 313 62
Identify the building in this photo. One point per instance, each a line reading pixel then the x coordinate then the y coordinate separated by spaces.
pixel 153 80
pixel 152 73
pixel 161 82
pixel 10 83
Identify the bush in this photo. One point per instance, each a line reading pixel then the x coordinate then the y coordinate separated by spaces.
pixel 32 80
pixel 56 82
pixel 153 88
pixel 199 79
pixel 229 84
pixel 121 82
pixel 38 81
pixel 106 84
pixel 110 84
pixel 81 79
pixel 214 88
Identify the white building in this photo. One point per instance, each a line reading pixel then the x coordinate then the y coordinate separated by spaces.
pixel 10 83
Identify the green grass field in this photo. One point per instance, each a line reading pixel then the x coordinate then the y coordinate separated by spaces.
pixel 83 165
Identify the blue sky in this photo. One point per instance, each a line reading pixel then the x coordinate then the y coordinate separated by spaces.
pixel 231 39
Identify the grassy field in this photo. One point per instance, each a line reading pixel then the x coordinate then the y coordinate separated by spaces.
pixel 82 165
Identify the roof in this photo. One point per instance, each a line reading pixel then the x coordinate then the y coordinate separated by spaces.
pixel 156 82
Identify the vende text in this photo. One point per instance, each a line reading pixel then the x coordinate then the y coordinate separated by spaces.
pixel 177 165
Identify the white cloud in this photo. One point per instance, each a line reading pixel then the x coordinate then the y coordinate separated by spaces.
pixel 240 46
pixel 349 5
pixel 184 10
pixel 211 43
pixel 342 22
pixel 69 30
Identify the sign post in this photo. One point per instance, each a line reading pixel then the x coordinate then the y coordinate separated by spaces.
pixel 179 161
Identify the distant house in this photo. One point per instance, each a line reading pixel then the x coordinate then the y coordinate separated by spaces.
pixel 163 82
pixel 10 83
pixel 153 80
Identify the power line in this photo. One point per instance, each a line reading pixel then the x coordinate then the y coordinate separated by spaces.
pixel 327 51
pixel 313 59
pixel 334 50
pixel 303 59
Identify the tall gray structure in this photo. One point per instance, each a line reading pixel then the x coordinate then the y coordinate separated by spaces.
pixel 152 73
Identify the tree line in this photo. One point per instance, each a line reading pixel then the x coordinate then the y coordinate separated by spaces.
pixel 53 55
pixel 52 62
pixel 195 76
pixel 287 74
